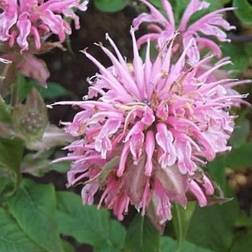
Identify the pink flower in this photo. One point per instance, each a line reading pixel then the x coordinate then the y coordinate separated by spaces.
pixel 163 28
pixel 27 22
pixel 34 68
pixel 145 130
pixel 30 66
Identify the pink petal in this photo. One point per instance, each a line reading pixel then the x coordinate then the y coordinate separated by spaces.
pixel 208 186
pixel 34 68
pixel 192 7
pixel 24 26
pixel 102 141
pixel 164 139
pixel 7 19
pixel 198 193
pixel 149 150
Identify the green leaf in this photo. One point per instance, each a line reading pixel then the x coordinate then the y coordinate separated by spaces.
pixel 168 244
pixel 211 227
pixel 142 236
pixel 242 243
pixel 61 167
pixel 106 248
pixel 5 115
pixel 216 169
pixel 11 153
pixel 214 5
pixel 67 246
pixel 240 157
pixel 33 206
pixel 157 3
pixel 87 224
pixel 244 221
pixel 241 132
pixel 4 182
pixel 24 87
pixel 243 11
pixel 53 90
pixel 7 187
pixel 12 238
pixel 248 48
pixel 110 5
pixel 238 56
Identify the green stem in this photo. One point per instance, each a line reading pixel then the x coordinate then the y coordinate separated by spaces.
pixel 14 87
pixel 181 222
pixel 179 228
pixel 14 94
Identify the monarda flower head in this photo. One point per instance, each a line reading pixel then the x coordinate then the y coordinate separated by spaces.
pixel 145 130
pixel 162 28
pixel 31 21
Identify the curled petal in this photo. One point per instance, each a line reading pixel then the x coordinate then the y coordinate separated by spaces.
pixel 102 142
pixel 184 155
pixel 88 192
pixel 193 7
pixel 208 186
pixel 24 26
pixel 149 149
pixel 7 19
pixel 123 160
pixel 198 193
pixel 164 139
pixel 136 146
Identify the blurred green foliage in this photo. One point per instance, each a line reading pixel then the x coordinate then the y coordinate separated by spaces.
pixel 110 5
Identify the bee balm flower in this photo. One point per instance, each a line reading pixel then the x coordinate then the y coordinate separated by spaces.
pixel 146 128
pixel 163 27
pixel 31 21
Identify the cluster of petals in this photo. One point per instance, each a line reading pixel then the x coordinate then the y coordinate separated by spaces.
pixel 145 129
pixel 23 22
pixel 162 28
